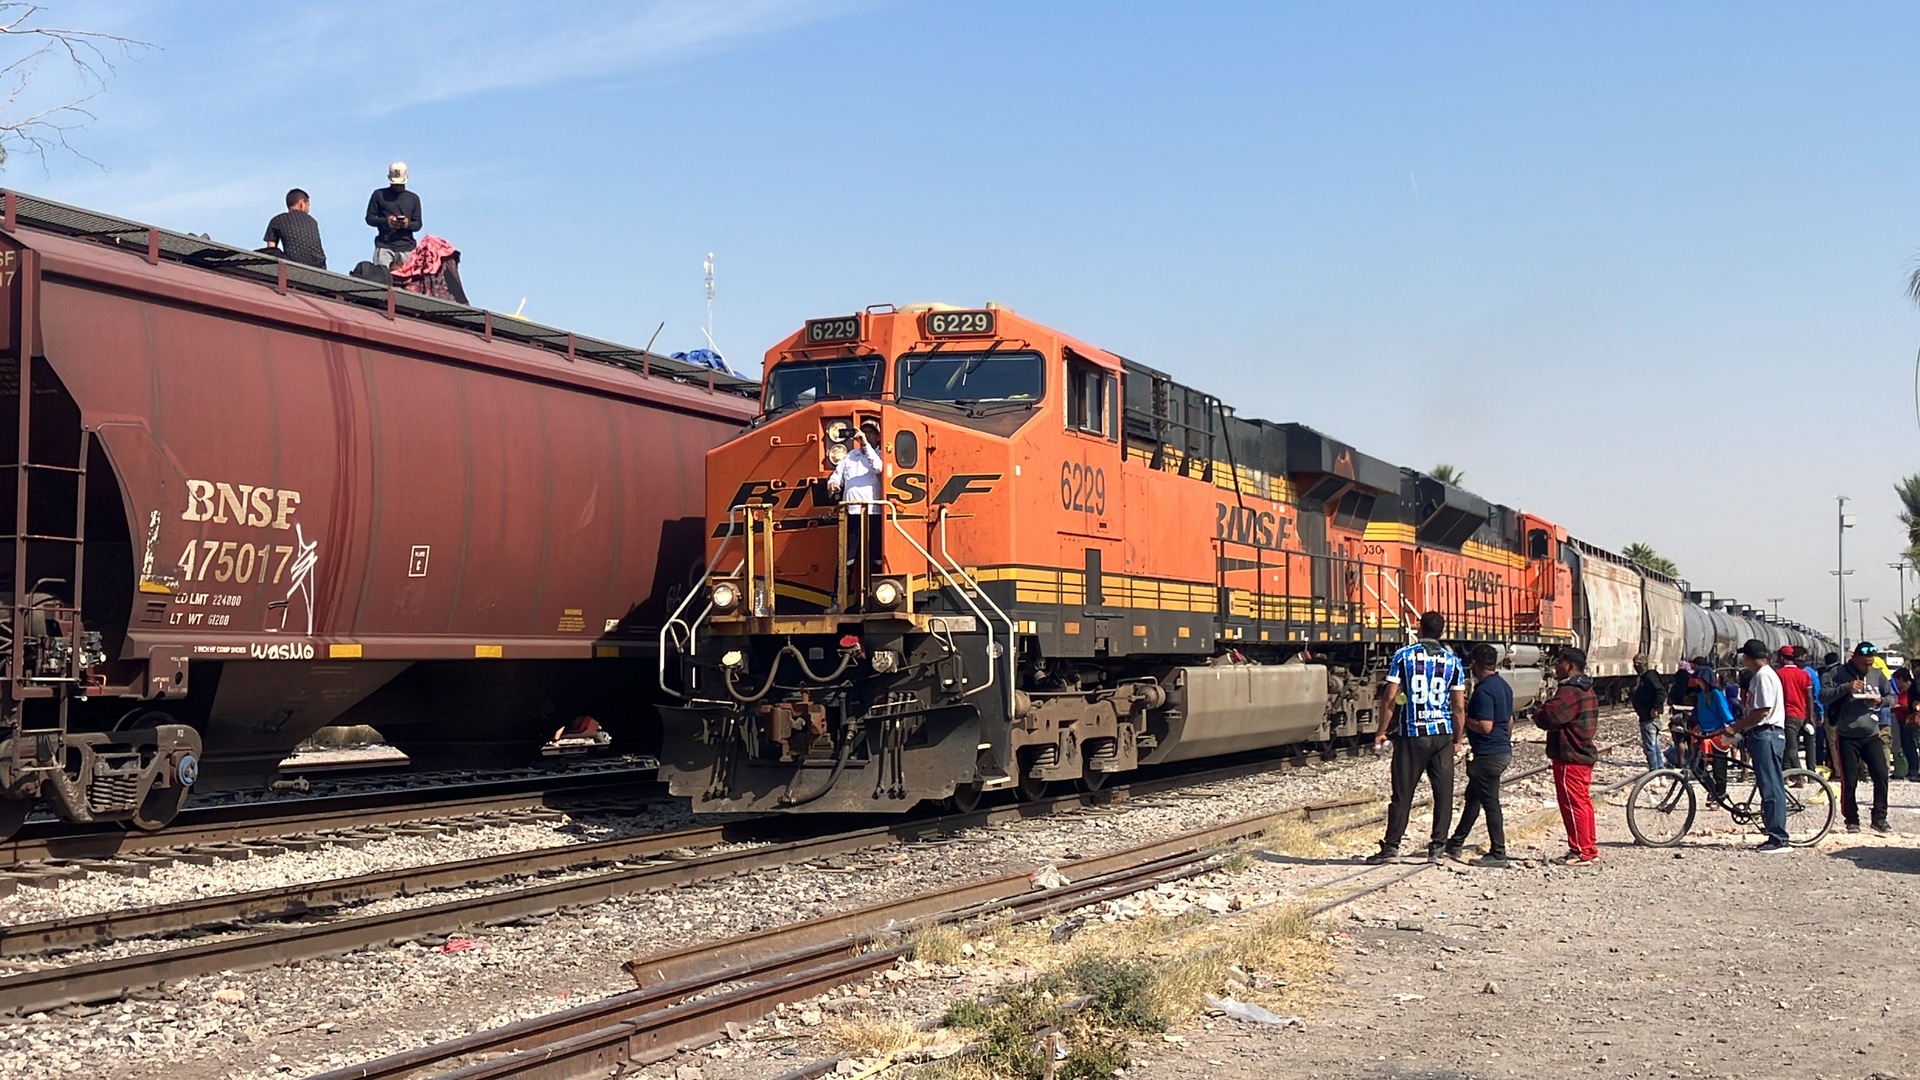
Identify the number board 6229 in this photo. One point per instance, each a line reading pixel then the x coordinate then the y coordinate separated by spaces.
pixel 959 323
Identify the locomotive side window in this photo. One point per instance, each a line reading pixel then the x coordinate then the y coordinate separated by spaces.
pixel 972 380
pixel 1537 544
pixel 804 382
pixel 1089 398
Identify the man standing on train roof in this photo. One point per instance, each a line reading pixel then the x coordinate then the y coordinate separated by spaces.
pixel 295 235
pixel 1435 689
pixel 1649 692
pixel 1571 717
pixel 1796 688
pixel 1853 695
pixel 394 212
pixel 856 483
pixel 1765 728
pixel 1489 727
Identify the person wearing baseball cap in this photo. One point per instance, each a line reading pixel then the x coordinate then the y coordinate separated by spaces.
pixel 1796 688
pixel 1571 717
pixel 1853 698
pixel 394 213
pixel 1765 727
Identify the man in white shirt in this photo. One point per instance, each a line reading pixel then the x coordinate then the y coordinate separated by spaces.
pixel 1765 729
pixel 856 482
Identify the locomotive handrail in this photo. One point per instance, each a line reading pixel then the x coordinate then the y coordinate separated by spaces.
pixel 1011 680
pixel 893 518
pixel 699 589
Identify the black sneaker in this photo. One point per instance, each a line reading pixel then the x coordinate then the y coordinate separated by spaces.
pixel 1774 847
pixel 1453 850
pixel 1492 860
pixel 1882 827
pixel 1853 826
pixel 1384 855
pixel 1436 852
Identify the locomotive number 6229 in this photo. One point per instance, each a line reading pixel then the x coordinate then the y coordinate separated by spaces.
pixel 1083 488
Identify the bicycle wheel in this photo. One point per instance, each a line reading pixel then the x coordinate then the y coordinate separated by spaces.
pixel 1811 805
pixel 1660 808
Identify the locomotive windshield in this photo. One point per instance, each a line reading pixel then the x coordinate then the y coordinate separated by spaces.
pixel 825 380
pixel 972 380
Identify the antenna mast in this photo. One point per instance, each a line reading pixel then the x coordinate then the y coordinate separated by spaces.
pixel 708 329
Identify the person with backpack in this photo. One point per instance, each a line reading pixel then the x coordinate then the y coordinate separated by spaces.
pixel 1434 688
pixel 1853 696
pixel 1571 718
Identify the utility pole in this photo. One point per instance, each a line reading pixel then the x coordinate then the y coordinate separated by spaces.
pixel 1840 574
pixel 1775 601
pixel 1862 602
pixel 1901 569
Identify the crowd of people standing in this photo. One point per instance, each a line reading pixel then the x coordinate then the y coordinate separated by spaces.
pixel 1855 718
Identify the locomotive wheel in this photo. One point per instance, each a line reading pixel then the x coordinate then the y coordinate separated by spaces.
pixel 159 808
pixel 13 814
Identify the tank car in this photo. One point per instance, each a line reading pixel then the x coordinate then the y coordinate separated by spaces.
pixel 249 498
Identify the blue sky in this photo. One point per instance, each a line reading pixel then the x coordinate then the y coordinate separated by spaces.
pixel 1637 268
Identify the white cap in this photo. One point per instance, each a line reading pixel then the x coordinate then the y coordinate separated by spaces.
pixel 397 173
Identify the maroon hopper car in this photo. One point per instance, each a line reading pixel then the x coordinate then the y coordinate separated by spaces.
pixel 250 499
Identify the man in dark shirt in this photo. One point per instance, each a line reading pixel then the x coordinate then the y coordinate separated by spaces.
pixel 1853 700
pixel 1490 736
pixel 395 213
pixel 295 235
pixel 1649 692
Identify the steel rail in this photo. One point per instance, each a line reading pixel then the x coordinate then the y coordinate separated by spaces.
pixel 281 817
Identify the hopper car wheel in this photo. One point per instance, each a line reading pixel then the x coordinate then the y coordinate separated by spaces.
pixel 159 808
pixel 1030 788
pixel 1093 780
pixel 964 800
pixel 13 814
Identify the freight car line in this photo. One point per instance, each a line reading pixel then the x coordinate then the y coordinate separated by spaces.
pixel 106 979
pixel 280 819
pixel 797 961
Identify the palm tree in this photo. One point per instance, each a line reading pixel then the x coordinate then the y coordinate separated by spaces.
pixel 1909 492
pixel 1643 556
pixel 1906 628
pixel 1448 474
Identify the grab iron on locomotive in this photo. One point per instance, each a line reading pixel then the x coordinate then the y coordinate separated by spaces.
pixel 1073 565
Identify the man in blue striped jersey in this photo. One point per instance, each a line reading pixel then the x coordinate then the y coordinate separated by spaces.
pixel 1434 688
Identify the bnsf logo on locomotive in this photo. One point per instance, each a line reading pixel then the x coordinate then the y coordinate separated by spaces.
pixel 1483 581
pixel 242 504
pixel 1245 525
pixel 907 489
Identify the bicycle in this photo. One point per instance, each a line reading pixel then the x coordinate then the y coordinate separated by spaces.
pixel 1662 804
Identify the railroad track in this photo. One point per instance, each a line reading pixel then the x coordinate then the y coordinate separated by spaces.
pixel 674 1008
pixel 279 818
pixel 613 868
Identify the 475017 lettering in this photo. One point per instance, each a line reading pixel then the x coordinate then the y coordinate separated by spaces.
pixel 234 560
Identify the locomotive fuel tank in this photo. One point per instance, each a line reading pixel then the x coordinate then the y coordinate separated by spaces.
pixel 1228 708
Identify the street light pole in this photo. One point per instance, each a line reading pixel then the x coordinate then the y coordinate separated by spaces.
pixel 1901 569
pixel 1861 601
pixel 1840 574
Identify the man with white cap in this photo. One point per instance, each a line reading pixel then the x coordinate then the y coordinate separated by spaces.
pixel 395 213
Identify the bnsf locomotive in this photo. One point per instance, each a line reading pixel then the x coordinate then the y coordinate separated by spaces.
pixel 1083 566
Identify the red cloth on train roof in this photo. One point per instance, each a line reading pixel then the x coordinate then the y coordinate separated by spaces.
pixel 424 260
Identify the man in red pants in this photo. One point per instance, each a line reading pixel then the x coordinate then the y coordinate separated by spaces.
pixel 1570 718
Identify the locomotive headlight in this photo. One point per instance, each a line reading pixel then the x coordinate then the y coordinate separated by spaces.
pixel 733 659
pixel 888 593
pixel 725 596
pixel 836 454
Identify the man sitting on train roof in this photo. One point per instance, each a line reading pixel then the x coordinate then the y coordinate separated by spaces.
pixel 395 213
pixel 294 235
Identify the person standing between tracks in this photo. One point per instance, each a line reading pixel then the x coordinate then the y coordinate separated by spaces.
pixel 1435 689
pixel 394 212
pixel 295 235
pixel 1764 725
pixel 1571 717
pixel 1796 691
pixel 1853 697
pixel 856 483
pixel 1649 692
pixel 1489 727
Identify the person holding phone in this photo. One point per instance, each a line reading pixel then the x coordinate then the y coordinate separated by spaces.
pixel 394 213
pixel 856 483
pixel 1853 698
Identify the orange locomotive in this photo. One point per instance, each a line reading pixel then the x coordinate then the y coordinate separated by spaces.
pixel 1078 566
